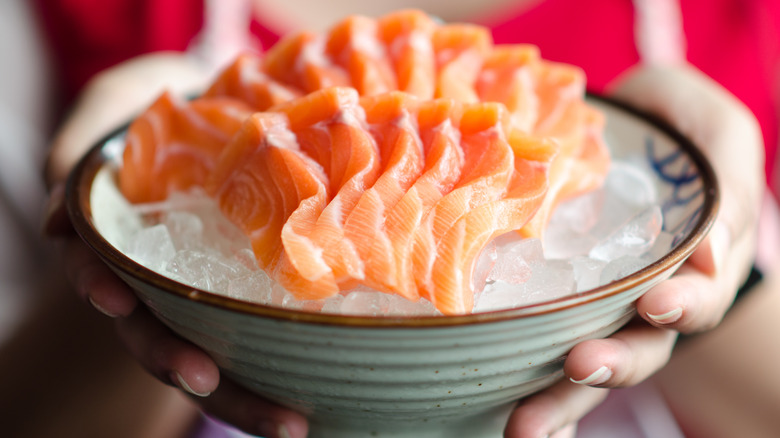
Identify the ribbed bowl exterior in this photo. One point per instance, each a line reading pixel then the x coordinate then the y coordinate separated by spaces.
pixel 394 380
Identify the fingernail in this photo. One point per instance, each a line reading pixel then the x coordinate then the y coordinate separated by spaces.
pixel 283 433
pixel 54 208
pixel 101 309
pixel 666 318
pixel 598 377
pixel 181 383
pixel 270 429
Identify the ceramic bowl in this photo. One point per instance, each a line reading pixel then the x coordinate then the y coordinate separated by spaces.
pixel 415 377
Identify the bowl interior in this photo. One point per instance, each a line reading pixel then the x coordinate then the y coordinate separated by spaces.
pixel 682 177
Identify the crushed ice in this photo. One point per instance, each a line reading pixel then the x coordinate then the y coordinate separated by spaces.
pixel 590 241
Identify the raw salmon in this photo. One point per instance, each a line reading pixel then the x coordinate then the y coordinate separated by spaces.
pixel 408 51
pixel 385 152
pixel 174 145
pixel 389 191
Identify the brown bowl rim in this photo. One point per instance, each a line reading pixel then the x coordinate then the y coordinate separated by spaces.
pixel 79 210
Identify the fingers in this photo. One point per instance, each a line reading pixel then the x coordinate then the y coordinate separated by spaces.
pixel 166 356
pixel 253 415
pixel 694 300
pixel 729 135
pixel 625 359
pixel 689 302
pixel 95 282
pixel 553 412
pixel 181 364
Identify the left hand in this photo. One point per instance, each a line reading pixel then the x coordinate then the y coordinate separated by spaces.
pixel 697 297
pixel 109 100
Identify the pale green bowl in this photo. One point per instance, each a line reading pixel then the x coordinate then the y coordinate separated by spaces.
pixel 408 376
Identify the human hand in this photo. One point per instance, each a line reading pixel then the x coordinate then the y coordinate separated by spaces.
pixel 110 100
pixel 697 297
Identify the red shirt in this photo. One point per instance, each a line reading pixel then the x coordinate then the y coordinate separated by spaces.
pixel 736 42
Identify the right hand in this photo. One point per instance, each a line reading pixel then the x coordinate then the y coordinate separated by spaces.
pixel 113 97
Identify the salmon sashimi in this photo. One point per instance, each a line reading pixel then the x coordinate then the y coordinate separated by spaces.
pixel 409 51
pixel 261 180
pixel 408 38
pixel 392 183
pixel 384 152
pixel 354 46
pixel 174 145
pixel 246 81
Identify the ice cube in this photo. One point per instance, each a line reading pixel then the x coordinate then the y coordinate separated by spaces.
pixel 587 272
pixel 278 294
pixel 621 267
pixel 498 295
pixel 562 242
pixel 484 264
pixel 661 247
pixel 254 287
pixel 515 258
pixel 579 214
pixel 246 257
pixel 333 304
pixel 206 270
pixel 630 184
pixel 361 302
pixel 186 229
pixel 400 306
pixel 627 192
pixel 290 302
pixel 152 247
pixel 634 238
pixel 549 281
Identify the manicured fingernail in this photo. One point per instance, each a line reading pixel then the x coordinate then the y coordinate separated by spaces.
pixel 101 309
pixel 598 377
pixel 272 430
pixel 181 383
pixel 283 433
pixel 667 318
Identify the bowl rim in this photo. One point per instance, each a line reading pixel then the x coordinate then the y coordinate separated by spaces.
pixel 78 192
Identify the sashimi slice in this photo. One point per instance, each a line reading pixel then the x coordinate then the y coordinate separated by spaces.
pixel 509 75
pixel 486 172
pixel 569 134
pixel 174 145
pixel 390 121
pixel 261 181
pixel 407 35
pixel 299 61
pixel 451 287
pixel 353 164
pixel 460 50
pixel 246 80
pixel 353 45
pixel 481 192
pixel 443 164
pixel 565 118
